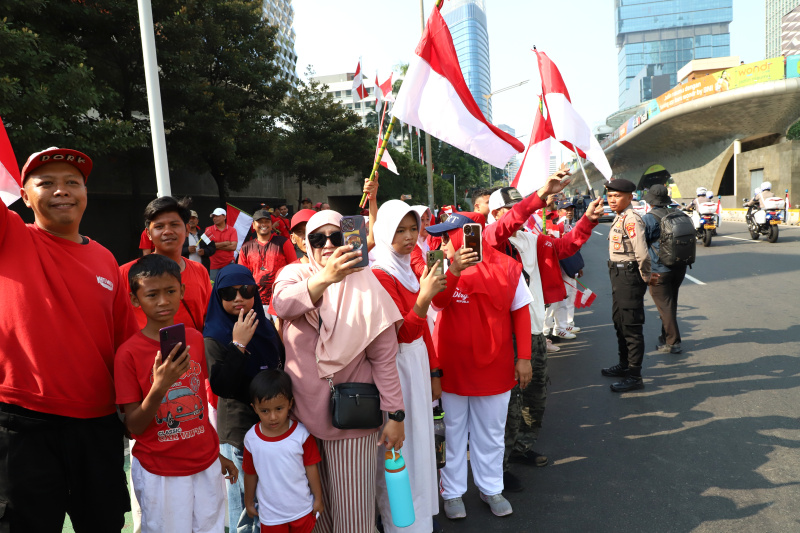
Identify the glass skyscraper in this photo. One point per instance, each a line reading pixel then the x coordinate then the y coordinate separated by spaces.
pixel 466 20
pixel 665 35
pixel 280 13
pixel 776 9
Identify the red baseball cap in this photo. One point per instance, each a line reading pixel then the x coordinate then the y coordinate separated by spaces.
pixel 75 158
pixel 304 215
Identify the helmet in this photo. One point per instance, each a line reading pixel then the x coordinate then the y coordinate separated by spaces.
pixel 709 194
pixel 766 186
pixel 701 191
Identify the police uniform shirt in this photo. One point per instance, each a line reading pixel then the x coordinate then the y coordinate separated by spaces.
pixel 627 242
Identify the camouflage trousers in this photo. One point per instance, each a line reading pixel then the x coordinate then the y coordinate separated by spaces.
pixel 526 407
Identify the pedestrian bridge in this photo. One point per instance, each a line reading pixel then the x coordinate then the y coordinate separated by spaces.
pixel 695 143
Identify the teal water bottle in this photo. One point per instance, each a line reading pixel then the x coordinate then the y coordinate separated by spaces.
pixel 399 488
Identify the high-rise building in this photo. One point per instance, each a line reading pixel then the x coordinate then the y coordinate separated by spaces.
pixel 466 20
pixel 340 87
pixel 666 34
pixel 280 13
pixel 776 9
pixel 513 164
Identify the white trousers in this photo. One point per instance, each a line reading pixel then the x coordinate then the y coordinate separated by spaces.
pixel 481 420
pixel 561 314
pixel 180 504
pixel 418 447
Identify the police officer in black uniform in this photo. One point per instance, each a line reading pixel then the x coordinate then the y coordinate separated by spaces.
pixel 629 269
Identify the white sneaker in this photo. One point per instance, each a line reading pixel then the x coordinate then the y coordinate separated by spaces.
pixel 498 504
pixel 552 348
pixel 573 329
pixel 564 334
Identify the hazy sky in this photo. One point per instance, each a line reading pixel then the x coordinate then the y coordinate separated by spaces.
pixel 578 35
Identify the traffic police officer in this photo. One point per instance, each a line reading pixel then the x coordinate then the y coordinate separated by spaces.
pixel 629 269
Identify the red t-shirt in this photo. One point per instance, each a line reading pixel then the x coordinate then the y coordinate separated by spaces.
pixel 283 225
pixel 145 243
pixel 192 312
pixel 221 257
pixel 266 260
pixel 64 313
pixel 180 440
pixel 413 326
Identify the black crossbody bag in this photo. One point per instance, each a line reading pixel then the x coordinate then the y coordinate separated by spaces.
pixel 354 405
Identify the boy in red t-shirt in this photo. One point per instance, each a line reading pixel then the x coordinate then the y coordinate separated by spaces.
pixel 280 457
pixel 176 463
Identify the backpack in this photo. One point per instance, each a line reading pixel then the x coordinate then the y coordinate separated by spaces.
pixel 678 240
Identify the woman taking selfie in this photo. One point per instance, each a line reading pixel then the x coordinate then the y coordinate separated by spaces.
pixel 240 342
pixel 339 327
pixel 484 306
pixel 396 231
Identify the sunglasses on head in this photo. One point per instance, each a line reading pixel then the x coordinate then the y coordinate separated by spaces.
pixel 229 293
pixel 318 240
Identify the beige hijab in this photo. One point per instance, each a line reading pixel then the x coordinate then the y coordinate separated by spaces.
pixel 354 311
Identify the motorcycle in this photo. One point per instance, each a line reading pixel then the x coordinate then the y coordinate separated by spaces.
pixel 764 221
pixel 704 219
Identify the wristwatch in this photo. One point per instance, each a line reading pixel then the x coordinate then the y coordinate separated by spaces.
pixel 437 373
pixel 398 416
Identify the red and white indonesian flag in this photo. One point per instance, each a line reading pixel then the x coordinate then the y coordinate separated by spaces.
pixel 584 298
pixel 567 125
pixel 240 221
pixel 435 98
pixel 386 160
pixel 535 167
pixel 358 84
pixel 383 91
pixel 719 204
pixel 9 171
pixel 788 203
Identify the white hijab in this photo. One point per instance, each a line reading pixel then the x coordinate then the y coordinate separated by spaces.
pixel 389 216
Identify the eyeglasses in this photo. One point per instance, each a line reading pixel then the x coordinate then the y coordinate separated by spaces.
pixel 318 240
pixel 229 293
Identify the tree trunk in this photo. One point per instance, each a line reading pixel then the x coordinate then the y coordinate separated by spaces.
pixel 300 193
pixel 219 178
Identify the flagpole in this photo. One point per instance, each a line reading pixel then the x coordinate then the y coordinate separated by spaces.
pixel 591 193
pixel 378 159
pixel 428 161
pixel 154 98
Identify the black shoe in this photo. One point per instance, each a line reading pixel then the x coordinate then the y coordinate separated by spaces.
pixel 530 458
pixel 670 348
pixel 437 527
pixel 511 483
pixel 628 384
pixel 616 371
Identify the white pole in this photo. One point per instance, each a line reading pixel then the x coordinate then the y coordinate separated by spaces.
pixel 591 193
pixel 154 97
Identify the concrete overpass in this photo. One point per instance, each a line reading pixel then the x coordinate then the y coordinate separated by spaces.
pixel 696 143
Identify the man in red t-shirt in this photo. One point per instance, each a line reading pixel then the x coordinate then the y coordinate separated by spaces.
pixel 166 220
pixel 145 244
pixel 226 240
pixel 280 220
pixel 265 255
pixel 65 312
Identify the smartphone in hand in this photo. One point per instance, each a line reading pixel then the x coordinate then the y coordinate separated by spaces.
pixel 431 257
pixel 169 337
pixel 472 239
pixel 354 233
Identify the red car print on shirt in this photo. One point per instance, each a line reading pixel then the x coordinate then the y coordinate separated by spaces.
pixel 179 405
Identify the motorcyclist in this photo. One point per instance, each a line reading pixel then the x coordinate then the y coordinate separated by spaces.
pixel 701 197
pixel 710 198
pixel 761 194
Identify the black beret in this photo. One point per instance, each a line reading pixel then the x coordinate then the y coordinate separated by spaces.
pixel 620 185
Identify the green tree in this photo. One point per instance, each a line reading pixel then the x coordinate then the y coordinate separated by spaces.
pixel 322 142
pixel 794 131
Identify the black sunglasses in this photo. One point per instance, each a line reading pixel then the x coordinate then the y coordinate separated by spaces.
pixel 318 240
pixel 229 293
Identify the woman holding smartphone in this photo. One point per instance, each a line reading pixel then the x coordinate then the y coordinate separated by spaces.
pixel 240 342
pixel 396 232
pixel 339 323
pixel 483 306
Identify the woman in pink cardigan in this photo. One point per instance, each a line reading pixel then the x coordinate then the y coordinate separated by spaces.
pixel 355 341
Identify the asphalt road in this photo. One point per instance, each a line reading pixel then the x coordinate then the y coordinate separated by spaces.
pixel 710 444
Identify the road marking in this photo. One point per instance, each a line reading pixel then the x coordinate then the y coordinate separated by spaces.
pixel 737 238
pixel 599 233
pixel 694 280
